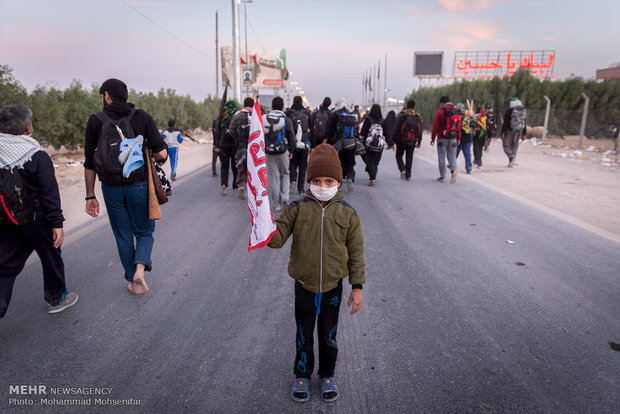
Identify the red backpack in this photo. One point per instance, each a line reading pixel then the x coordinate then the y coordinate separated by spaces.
pixel 454 117
pixel 411 130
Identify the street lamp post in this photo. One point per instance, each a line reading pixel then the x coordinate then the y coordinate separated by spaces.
pixel 245 23
pixel 236 64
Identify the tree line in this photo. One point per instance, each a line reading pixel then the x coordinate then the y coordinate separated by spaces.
pixel 566 101
pixel 60 116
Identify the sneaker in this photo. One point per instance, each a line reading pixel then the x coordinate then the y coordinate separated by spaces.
pixel 408 178
pixel 511 163
pixel 241 193
pixel 214 174
pixel 371 183
pixel 441 179
pixel 293 185
pixel 67 301
pixel 468 172
pixel 329 390
pixel 223 190
pixel 349 185
pixel 301 390
pixel 284 203
pixel 453 178
pixel 173 177
pixel 403 175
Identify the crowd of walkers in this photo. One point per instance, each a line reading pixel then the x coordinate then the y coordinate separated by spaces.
pixel 123 147
pixel 292 135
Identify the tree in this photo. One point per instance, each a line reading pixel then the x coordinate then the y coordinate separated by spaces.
pixel 11 91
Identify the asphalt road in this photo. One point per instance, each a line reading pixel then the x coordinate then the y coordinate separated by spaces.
pixel 454 319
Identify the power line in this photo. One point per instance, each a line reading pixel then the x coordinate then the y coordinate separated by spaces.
pixel 167 31
pixel 256 34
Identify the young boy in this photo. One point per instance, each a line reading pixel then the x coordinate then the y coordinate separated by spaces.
pixel 328 246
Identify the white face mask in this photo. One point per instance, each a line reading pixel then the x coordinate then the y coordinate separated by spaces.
pixel 323 194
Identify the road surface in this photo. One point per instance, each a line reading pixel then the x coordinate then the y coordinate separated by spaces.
pixel 455 317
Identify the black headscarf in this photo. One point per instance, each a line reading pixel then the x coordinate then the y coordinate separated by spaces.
pixel 388 123
pixel 375 113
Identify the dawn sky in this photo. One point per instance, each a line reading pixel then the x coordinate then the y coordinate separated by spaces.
pixel 330 44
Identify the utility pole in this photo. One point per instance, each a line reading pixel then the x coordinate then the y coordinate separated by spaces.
pixel 217 79
pixel 236 54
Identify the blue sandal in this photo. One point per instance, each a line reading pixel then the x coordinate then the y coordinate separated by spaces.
pixel 301 390
pixel 329 390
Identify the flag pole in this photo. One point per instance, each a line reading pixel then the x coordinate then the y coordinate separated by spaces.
pixel 385 82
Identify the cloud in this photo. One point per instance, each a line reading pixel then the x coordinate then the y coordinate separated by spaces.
pixel 462 35
pixel 459 5
pixel 552 39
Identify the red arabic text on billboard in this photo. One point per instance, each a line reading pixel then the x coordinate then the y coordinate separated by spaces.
pixel 491 64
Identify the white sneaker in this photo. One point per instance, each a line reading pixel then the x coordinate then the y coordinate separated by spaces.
pixel 349 185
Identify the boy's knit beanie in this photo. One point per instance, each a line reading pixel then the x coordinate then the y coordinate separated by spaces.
pixel 324 162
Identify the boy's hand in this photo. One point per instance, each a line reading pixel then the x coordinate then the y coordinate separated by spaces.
pixel 355 299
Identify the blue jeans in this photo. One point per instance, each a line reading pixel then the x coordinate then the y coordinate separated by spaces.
pixel 173 154
pixel 128 211
pixel 466 148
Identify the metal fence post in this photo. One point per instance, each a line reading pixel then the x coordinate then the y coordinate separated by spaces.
pixel 546 118
pixel 584 118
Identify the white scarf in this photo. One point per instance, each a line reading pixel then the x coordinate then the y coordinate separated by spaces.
pixel 16 150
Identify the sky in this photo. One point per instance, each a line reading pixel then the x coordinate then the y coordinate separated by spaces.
pixel 151 44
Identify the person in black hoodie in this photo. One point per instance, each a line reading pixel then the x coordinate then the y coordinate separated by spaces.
pixel 407 139
pixel 226 146
pixel 126 199
pixel 299 160
pixel 319 123
pixel 372 157
pixel 22 158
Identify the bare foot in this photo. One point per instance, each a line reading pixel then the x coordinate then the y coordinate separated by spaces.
pixel 139 283
pixel 136 289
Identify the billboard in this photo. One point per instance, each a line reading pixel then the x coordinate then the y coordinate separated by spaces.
pixel 490 64
pixel 427 63
pixel 264 68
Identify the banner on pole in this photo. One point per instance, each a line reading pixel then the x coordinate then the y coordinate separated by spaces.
pixel 263 226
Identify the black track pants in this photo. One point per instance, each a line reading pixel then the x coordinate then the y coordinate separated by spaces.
pixel 306 316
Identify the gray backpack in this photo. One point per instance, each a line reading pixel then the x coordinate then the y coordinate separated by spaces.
pixel 517 118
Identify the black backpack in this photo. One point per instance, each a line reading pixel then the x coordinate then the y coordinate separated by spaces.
pixel 108 167
pixel 301 127
pixel 411 131
pixel 319 124
pixel 243 130
pixel 16 208
pixel 274 124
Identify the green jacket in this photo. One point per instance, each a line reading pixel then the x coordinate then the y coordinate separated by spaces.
pixel 327 245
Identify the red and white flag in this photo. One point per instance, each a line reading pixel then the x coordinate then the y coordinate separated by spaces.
pixel 263 226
